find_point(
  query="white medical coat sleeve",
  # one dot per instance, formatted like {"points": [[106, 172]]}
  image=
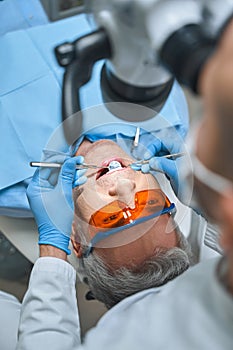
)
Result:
{"points": [[9, 320], [49, 315]]}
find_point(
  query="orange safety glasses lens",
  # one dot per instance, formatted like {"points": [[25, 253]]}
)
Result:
{"points": [[117, 213]]}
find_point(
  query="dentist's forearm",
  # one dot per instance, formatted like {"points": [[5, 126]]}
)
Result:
{"points": [[48, 250], [49, 313]]}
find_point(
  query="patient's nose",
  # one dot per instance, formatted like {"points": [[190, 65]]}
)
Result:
{"points": [[124, 189]]}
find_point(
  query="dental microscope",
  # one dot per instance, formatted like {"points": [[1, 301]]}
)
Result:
{"points": [[145, 45]]}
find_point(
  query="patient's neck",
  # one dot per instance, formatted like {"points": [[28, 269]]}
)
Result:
{"points": [[83, 148]]}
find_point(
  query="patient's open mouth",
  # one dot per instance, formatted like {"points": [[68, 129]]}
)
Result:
{"points": [[112, 165]]}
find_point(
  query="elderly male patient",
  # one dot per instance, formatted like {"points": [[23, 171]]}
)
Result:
{"points": [[124, 232]]}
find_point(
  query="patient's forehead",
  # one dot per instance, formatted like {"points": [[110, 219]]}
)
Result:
{"points": [[161, 231]]}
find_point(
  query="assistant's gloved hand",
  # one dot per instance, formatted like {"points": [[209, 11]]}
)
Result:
{"points": [[170, 167], [51, 201]]}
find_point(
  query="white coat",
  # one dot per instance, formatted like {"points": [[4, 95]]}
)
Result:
{"points": [[194, 311]]}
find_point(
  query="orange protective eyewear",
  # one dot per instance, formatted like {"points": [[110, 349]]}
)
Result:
{"points": [[117, 216], [117, 213]]}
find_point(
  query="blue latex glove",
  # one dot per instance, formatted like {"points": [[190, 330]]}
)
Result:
{"points": [[157, 163], [51, 201], [79, 176]]}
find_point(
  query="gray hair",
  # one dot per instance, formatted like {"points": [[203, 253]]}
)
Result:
{"points": [[110, 287]]}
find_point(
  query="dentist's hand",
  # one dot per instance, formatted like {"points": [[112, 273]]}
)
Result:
{"points": [[170, 167], [51, 201]]}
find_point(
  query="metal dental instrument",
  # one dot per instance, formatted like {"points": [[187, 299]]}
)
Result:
{"points": [[59, 165], [136, 139], [168, 156], [93, 166]]}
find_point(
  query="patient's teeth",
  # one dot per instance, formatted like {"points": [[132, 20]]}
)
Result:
{"points": [[114, 165]]}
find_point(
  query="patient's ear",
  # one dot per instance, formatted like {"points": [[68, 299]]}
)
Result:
{"points": [[75, 241]]}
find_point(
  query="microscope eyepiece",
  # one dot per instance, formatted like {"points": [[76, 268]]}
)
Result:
{"points": [[185, 53]]}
